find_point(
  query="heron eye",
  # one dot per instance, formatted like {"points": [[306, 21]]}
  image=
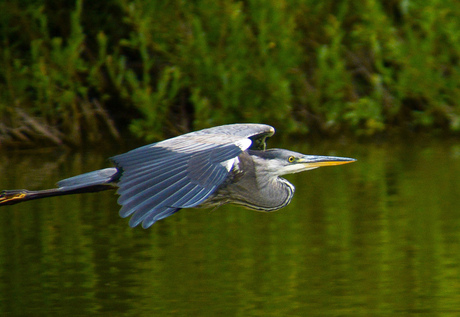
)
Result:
{"points": [[291, 159]]}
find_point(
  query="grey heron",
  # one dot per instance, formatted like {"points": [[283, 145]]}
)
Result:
{"points": [[206, 168]]}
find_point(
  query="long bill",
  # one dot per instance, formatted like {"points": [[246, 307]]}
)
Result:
{"points": [[314, 161]]}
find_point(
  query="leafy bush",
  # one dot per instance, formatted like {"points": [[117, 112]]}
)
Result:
{"points": [[79, 71]]}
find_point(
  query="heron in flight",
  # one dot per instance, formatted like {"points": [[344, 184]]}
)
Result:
{"points": [[206, 168]]}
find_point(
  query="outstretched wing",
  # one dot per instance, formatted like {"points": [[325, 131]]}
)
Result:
{"points": [[159, 179]]}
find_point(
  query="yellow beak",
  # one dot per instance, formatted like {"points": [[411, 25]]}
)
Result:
{"points": [[312, 161]]}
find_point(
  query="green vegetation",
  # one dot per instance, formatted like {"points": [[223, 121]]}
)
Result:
{"points": [[74, 71]]}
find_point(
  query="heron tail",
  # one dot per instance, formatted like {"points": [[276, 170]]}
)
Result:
{"points": [[91, 182]]}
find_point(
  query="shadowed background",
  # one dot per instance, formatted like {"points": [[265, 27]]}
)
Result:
{"points": [[78, 72]]}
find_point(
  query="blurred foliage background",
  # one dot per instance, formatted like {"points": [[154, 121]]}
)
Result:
{"points": [[75, 72]]}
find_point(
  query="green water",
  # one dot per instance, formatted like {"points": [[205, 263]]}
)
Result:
{"points": [[379, 237]]}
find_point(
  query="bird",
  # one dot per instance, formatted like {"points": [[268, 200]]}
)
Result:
{"points": [[228, 164]]}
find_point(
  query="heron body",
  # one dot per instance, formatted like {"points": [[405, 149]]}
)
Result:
{"points": [[206, 168], [245, 176]]}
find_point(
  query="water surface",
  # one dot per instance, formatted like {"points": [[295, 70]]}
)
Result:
{"points": [[380, 237]]}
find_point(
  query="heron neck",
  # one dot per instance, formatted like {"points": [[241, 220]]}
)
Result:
{"points": [[275, 194], [257, 189]]}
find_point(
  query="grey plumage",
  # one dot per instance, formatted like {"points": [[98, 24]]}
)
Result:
{"points": [[249, 175], [182, 172], [206, 168]]}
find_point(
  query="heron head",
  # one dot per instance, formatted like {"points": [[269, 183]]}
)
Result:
{"points": [[281, 162]]}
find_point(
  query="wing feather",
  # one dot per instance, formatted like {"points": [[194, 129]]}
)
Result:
{"points": [[144, 171], [144, 209], [153, 194], [151, 218], [133, 186], [159, 179]]}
